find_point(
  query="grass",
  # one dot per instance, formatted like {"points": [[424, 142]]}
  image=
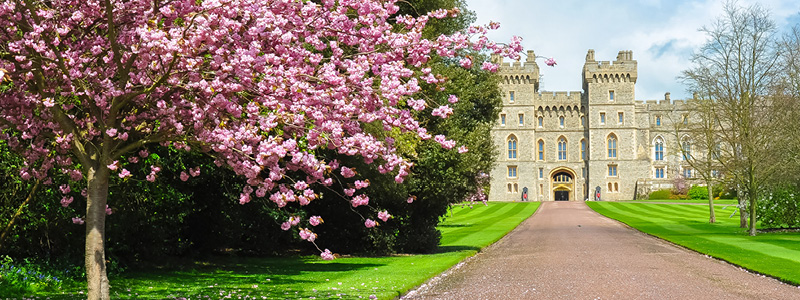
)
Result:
{"points": [[716, 202], [775, 254], [463, 234]]}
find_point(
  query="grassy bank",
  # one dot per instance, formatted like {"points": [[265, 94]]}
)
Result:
{"points": [[463, 234], [776, 254]]}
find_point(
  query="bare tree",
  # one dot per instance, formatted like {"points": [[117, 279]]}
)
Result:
{"points": [[697, 136], [736, 69]]}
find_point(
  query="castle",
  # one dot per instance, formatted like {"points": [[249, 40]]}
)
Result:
{"points": [[572, 145]]}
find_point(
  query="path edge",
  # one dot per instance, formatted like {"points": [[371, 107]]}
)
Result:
{"points": [[431, 281]]}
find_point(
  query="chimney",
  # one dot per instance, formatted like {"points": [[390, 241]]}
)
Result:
{"points": [[666, 96]]}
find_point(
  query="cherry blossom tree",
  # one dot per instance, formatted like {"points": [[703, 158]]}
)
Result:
{"points": [[260, 84]]}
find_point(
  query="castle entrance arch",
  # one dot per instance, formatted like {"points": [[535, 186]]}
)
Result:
{"points": [[562, 182]]}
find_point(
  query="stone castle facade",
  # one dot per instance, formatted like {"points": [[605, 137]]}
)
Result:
{"points": [[569, 145]]}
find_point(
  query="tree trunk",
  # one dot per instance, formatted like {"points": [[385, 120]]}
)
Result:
{"points": [[742, 208], [752, 216], [96, 276], [712, 217]]}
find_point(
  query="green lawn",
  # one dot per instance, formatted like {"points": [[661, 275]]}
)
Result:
{"points": [[775, 254], [463, 234], [716, 202]]}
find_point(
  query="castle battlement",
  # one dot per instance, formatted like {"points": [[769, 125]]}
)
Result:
{"points": [[559, 96]]}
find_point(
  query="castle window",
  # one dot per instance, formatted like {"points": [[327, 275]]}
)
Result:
{"points": [[610, 187], [521, 119], [612, 146], [602, 118], [561, 121], [512, 171], [616, 186], [685, 119], [541, 173], [660, 173], [687, 149], [612, 170], [583, 149], [512, 147], [583, 121], [511, 96], [516, 188], [715, 173], [502, 119], [621, 116], [541, 121], [610, 95], [562, 149], [659, 153], [541, 150], [583, 172], [509, 188], [658, 120], [687, 173]]}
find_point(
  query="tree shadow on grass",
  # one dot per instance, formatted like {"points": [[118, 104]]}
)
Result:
{"points": [[273, 277], [456, 248]]}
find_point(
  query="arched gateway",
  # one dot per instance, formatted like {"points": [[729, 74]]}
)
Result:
{"points": [[562, 184]]}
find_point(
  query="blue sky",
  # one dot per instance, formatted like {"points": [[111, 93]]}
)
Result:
{"points": [[661, 33]]}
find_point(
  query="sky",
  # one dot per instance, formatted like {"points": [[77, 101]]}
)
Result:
{"points": [[662, 34]]}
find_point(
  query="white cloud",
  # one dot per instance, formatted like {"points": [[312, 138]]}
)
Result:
{"points": [[662, 35]]}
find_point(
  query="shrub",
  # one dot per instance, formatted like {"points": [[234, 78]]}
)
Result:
{"points": [[698, 193], [660, 194], [780, 208]]}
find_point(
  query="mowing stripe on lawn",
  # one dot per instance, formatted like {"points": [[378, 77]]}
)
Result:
{"points": [[774, 254]]}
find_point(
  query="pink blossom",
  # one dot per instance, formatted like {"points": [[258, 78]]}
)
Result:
{"points": [[124, 173], [443, 111], [77, 220], [194, 171], [48, 102], [111, 132], [108, 210], [550, 62], [370, 223], [64, 188], [113, 166], [462, 149], [143, 153], [151, 177], [133, 159], [465, 63], [307, 235], [416, 104], [359, 200], [327, 255], [384, 215], [411, 199], [347, 172], [184, 176], [360, 184], [452, 99], [294, 220], [286, 226], [487, 66], [66, 200], [315, 220]]}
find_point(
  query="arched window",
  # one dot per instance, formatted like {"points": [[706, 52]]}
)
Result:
{"points": [[583, 121], [562, 148], [612, 146], [610, 187], [512, 147], [616, 186], [583, 149], [541, 121], [658, 120], [687, 149], [659, 152], [541, 150], [509, 188], [561, 121]]}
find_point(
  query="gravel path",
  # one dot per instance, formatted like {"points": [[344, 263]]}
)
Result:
{"points": [[567, 251]]}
